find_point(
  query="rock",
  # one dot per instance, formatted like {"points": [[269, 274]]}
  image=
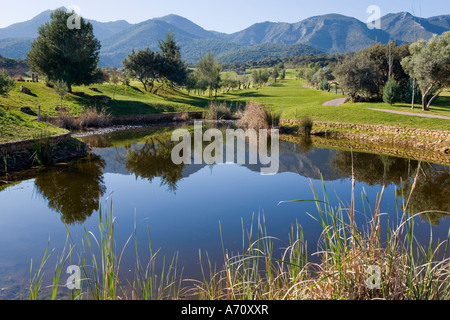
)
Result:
{"points": [[26, 110], [25, 90], [94, 89], [62, 109], [79, 94], [101, 98]]}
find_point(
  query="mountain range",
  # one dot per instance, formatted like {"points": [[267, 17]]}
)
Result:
{"points": [[331, 33]]}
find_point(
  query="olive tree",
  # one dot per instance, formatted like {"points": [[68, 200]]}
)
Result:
{"points": [[429, 63]]}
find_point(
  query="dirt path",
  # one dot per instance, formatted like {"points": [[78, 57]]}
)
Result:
{"points": [[413, 114], [335, 102]]}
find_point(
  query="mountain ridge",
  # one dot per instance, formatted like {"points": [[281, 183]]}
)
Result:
{"points": [[330, 33]]}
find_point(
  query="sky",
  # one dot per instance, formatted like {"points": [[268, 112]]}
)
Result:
{"points": [[225, 15]]}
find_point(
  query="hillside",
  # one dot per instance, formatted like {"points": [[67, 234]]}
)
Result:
{"points": [[331, 33]]}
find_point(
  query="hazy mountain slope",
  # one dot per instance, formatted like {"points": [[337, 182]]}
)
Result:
{"points": [[29, 29], [404, 27], [332, 33]]}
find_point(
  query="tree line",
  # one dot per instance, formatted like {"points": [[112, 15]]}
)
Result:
{"points": [[388, 72]]}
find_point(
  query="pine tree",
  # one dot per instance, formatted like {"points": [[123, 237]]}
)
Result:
{"points": [[62, 53]]}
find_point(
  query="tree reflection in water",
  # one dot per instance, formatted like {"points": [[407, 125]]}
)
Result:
{"points": [[153, 160], [429, 194], [73, 190]]}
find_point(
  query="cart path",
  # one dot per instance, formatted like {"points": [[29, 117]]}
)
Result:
{"points": [[335, 102], [413, 114]]}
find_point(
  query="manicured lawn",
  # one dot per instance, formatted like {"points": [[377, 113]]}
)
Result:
{"points": [[16, 125], [290, 97]]}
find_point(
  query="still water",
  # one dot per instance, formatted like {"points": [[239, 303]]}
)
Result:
{"points": [[188, 209]]}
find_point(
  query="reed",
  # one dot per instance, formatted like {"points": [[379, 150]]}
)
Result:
{"points": [[43, 148], [355, 261]]}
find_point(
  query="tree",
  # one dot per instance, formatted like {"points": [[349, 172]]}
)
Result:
{"points": [[191, 82], [61, 89], [355, 76], [429, 64], [275, 73], [391, 91], [60, 53], [145, 65], [210, 70], [114, 79], [173, 67], [323, 75], [6, 83]]}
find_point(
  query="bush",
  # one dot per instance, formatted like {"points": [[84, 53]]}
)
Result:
{"points": [[305, 126], [218, 111], [254, 116], [90, 117], [391, 91], [324, 85], [273, 117], [6, 83]]}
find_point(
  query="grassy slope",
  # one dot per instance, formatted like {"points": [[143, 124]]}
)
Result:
{"points": [[287, 95], [15, 125], [290, 96]]}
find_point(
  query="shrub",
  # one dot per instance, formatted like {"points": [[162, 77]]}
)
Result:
{"points": [[273, 117], [90, 117], [254, 116], [218, 111], [305, 126], [183, 116], [324, 85], [391, 91], [6, 83]]}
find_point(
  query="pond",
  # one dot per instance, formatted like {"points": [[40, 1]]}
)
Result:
{"points": [[188, 209]]}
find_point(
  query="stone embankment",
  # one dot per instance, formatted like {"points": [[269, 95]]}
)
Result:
{"points": [[21, 155], [430, 145]]}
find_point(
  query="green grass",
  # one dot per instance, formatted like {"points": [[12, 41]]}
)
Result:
{"points": [[132, 100], [290, 97], [15, 125], [287, 96]]}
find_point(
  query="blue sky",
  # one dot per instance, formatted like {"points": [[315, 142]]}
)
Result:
{"points": [[225, 15]]}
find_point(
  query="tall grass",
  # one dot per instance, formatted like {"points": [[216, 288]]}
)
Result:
{"points": [[256, 116], [305, 125], [343, 267], [218, 111], [43, 148], [90, 117], [99, 261]]}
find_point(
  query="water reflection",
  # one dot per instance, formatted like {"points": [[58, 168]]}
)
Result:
{"points": [[425, 186], [153, 160], [74, 190], [430, 193]]}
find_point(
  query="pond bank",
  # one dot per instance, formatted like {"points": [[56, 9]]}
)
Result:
{"points": [[22, 155], [429, 145]]}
